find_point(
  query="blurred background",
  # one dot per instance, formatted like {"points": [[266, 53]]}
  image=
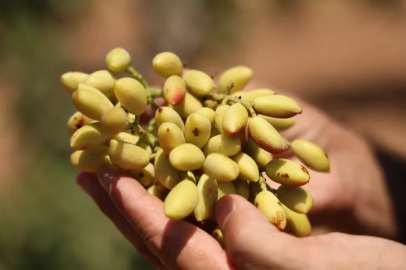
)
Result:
{"points": [[346, 56]]}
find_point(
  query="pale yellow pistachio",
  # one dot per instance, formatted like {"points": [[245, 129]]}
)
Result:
{"points": [[239, 76], [225, 188], [218, 235], [250, 96], [90, 101], [76, 121], [198, 82], [266, 136], [212, 104], [70, 80], [299, 224], [174, 90], [209, 113], [181, 200], [214, 132], [188, 105], [155, 191], [248, 168], [220, 167], [166, 114], [186, 157], [222, 144], [103, 81], [311, 155], [113, 121], [87, 137], [235, 119], [261, 156], [255, 189], [242, 188], [170, 136], [128, 156], [270, 206], [197, 129], [296, 198], [127, 137], [279, 124], [287, 172], [243, 136], [145, 176], [118, 60], [131, 95], [277, 106], [167, 64], [91, 160], [166, 174], [208, 191], [218, 120]]}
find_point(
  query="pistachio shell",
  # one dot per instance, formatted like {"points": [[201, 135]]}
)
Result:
{"points": [[113, 121], [242, 188], [88, 137], [76, 121], [209, 113], [218, 120], [165, 173], [287, 172], [212, 104], [276, 106], [225, 188], [268, 204], [239, 76], [223, 144], [118, 60], [215, 132], [266, 136], [235, 119], [208, 191], [170, 136], [188, 105], [197, 129], [127, 156], [174, 90], [167, 64], [131, 95], [154, 190], [248, 168], [311, 155], [220, 167], [198, 82], [103, 81], [166, 114], [145, 176], [296, 198], [218, 235], [260, 156], [90, 101], [126, 137], [186, 157], [250, 96], [70, 80], [181, 200], [91, 160], [279, 124], [299, 224]]}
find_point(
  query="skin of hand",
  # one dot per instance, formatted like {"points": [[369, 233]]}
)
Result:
{"points": [[252, 242]]}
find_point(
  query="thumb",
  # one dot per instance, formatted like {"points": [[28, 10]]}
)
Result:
{"points": [[252, 242]]}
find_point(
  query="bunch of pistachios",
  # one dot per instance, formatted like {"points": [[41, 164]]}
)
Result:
{"points": [[210, 140]]}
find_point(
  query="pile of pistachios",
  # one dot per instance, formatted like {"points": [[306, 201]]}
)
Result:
{"points": [[211, 139]]}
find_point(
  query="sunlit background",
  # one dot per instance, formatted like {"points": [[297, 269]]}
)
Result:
{"points": [[347, 57]]}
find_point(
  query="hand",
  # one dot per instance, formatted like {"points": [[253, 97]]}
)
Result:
{"points": [[252, 242], [353, 197]]}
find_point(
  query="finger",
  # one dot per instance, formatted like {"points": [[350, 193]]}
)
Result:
{"points": [[178, 244], [90, 184], [247, 231]]}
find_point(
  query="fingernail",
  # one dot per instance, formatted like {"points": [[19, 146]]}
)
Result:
{"points": [[224, 208], [108, 175]]}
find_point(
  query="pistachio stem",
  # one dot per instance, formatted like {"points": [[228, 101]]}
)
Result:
{"points": [[262, 183], [223, 99], [152, 156], [118, 105], [138, 76], [288, 143]]}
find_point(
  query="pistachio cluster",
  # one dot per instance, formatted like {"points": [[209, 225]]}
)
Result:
{"points": [[209, 141]]}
